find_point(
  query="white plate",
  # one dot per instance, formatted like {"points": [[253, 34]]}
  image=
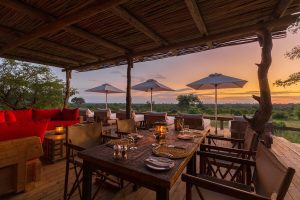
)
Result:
{"points": [[158, 168]]}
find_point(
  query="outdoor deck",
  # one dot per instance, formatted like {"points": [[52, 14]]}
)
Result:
{"points": [[51, 185]]}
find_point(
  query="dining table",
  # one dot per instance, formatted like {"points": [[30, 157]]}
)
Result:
{"points": [[133, 168]]}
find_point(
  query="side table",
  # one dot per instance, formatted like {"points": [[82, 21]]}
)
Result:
{"points": [[54, 148]]}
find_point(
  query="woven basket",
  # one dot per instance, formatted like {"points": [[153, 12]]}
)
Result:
{"points": [[170, 152]]}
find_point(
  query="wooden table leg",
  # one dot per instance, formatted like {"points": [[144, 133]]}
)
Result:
{"points": [[87, 182], [191, 167], [162, 194]]}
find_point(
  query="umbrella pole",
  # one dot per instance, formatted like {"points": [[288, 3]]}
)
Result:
{"points": [[151, 99], [106, 99], [216, 109]]}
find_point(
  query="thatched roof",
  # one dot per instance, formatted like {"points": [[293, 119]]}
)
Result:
{"points": [[92, 34]]}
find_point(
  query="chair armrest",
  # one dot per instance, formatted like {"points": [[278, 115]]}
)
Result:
{"points": [[220, 188], [227, 158], [224, 139], [231, 150]]}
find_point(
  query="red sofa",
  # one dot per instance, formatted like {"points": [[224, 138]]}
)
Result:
{"points": [[34, 122]]}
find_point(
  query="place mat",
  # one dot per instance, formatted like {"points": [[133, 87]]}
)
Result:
{"points": [[119, 142], [185, 136], [170, 152]]}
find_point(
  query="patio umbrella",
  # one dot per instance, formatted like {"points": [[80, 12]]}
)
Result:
{"points": [[151, 85], [107, 89], [217, 81]]}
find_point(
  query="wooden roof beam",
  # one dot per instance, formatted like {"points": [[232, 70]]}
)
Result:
{"points": [[281, 8], [96, 39], [230, 34], [6, 30], [33, 61], [34, 12], [48, 56], [52, 27], [124, 14], [198, 19]]}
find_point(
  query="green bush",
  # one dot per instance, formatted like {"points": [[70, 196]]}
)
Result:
{"points": [[279, 115], [279, 124]]}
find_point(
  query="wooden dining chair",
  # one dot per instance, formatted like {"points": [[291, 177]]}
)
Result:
{"points": [[226, 169], [125, 127], [245, 148], [79, 138], [267, 178]]}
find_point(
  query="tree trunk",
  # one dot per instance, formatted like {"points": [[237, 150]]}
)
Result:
{"points": [[263, 113], [128, 91], [67, 92]]}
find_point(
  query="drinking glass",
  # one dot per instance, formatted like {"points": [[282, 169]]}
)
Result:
{"points": [[186, 128]]}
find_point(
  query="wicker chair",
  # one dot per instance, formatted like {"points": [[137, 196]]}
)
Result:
{"points": [[79, 138], [104, 116], [195, 121], [267, 178], [125, 127]]}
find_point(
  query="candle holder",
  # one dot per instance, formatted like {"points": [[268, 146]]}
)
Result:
{"points": [[161, 129], [59, 130]]}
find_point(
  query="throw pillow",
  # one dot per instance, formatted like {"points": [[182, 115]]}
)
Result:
{"points": [[23, 115], [2, 117], [70, 114], [10, 116]]}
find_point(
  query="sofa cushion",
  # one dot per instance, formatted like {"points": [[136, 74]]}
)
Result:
{"points": [[2, 116], [70, 114], [23, 115], [14, 130], [10, 116], [52, 114]]}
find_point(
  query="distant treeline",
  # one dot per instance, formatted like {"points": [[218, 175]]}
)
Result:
{"points": [[280, 111]]}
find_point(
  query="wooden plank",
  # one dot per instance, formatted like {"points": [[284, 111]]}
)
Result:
{"points": [[230, 34], [132, 20], [96, 39], [281, 8], [34, 12], [16, 33], [198, 19], [59, 24]]}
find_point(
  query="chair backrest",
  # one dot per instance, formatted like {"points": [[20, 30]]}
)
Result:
{"points": [[121, 114], [102, 115], [271, 176], [195, 121], [84, 136], [126, 126], [153, 117], [249, 138]]}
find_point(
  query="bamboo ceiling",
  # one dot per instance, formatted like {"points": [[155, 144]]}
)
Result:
{"points": [[92, 34]]}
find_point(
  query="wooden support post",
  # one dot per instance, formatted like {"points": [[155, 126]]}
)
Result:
{"points": [[67, 89], [128, 91], [263, 113]]}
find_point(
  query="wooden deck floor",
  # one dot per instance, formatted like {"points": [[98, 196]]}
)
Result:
{"points": [[51, 185]]}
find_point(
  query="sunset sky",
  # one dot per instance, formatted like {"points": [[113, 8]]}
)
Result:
{"points": [[176, 72]]}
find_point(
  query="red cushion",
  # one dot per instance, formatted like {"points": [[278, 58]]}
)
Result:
{"points": [[70, 114], [14, 130], [39, 114], [23, 115], [2, 116], [10, 116], [53, 124]]}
